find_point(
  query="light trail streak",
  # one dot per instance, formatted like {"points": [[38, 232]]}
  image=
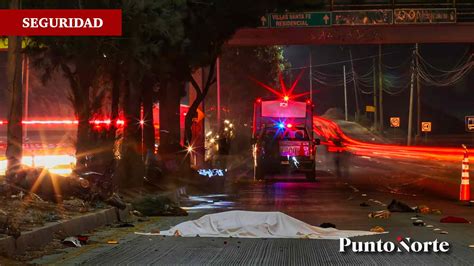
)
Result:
{"points": [[331, 131]]}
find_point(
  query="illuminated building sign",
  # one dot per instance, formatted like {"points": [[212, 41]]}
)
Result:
{"points": [[424, 16], [362, 17]]}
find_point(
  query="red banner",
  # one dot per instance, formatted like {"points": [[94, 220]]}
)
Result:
{"points": [[61, 22]]}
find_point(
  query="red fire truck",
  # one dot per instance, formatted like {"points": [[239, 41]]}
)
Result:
{"points": [[283, 137]]}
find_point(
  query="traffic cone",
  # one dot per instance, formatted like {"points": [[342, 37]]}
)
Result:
{"points": [[464, 192]]}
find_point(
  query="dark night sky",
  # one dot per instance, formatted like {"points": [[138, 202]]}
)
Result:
{"points": [[445, 106]]}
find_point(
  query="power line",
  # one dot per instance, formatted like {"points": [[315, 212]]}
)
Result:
{"points": [[340, 62]]}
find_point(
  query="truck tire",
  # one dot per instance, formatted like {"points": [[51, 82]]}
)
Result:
{"points": [[311, 176]]}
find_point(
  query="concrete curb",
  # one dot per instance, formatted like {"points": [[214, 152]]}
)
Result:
{"points": [[40, 237]]}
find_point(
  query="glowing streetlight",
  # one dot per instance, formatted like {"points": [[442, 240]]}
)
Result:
{"points": [[190, 148]]}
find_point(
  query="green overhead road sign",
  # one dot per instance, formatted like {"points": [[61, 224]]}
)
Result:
{"points": [[296, 20]]}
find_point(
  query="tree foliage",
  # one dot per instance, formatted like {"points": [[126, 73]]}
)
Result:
{"points": [[162, 44]]}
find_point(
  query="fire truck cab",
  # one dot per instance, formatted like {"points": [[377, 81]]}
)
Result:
{"points": [[283, 137]]}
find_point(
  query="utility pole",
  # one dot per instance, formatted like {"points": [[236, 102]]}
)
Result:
{"points": [[380, 90], [15, 109], [345, 92], [357, 111], [410, 110], [375, 96], [418, 95], [310, 74]]}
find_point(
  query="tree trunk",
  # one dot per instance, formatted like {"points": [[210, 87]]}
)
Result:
{"points": [[170, 95], [83, 138], [200, 96], [188, 121], [15, 107], [80, 83], [114, 110], [148, 126], [131, 166]]}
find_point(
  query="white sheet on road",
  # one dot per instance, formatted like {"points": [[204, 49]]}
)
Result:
{"points": [[249, 224]]}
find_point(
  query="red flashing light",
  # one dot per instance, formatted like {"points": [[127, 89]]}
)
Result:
{"points": [[259, 100], [289, 126], [286, 98], [50, 122], [107, 122], [308, 101]]}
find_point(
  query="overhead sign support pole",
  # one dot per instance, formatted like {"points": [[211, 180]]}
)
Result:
{"points": [[345, 92], [410, 110], [310, 74]]}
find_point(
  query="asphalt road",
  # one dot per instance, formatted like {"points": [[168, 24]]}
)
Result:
{"points": [[330, 199]]}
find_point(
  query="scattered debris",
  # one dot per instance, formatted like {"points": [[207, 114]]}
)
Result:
{"points": [[364, 204], [453, 219], [429, 226], [364, 195], [436, 229], [76, 204], [72, 241], [136, 213], [426, 210], [384, 214], [83, 239], [378, 202], [377, 229], [443, 232], [8, 226], [147, 234], [398, 206], [52, 217], [116, 201], [354, 189], [158, 206], [327, 225], [471, 246], [423, 209], [419, 223], [112, 242], [125, 225]]}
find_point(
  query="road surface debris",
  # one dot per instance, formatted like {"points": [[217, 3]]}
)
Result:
{"points": [[399, 206], [454, 220], [383, 214], [377, 229]]}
